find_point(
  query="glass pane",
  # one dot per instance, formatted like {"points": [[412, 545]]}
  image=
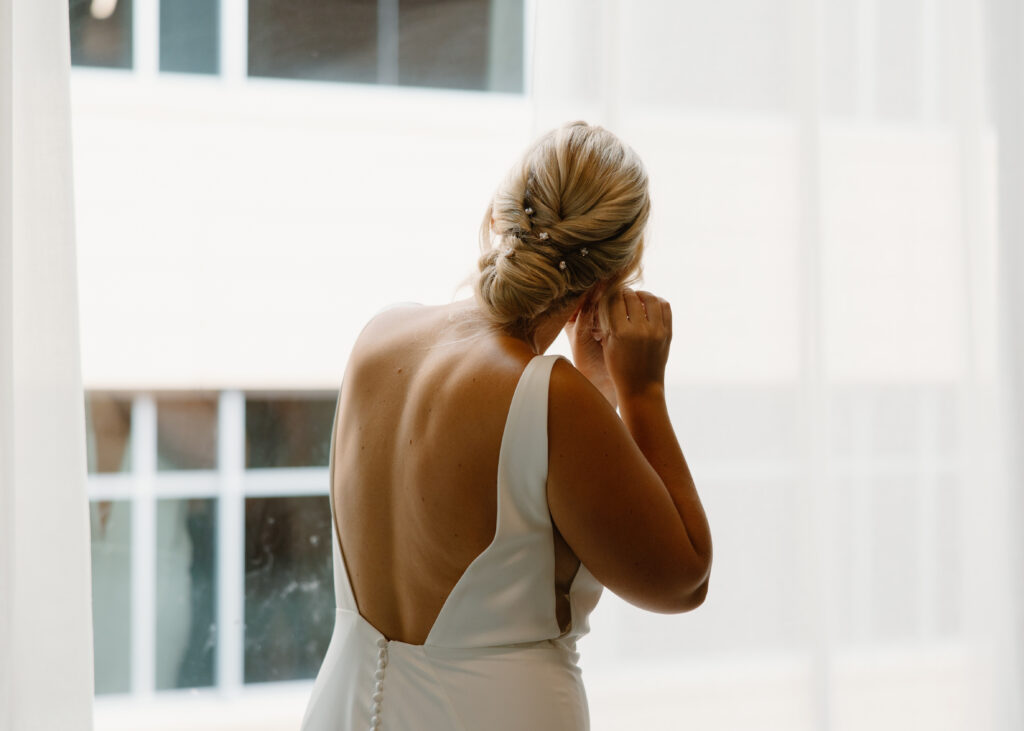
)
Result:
{"points": [[186, 433], [108, 422], [186, 595], [289, 587], [288, 432], [461, 44], [111, 528], [331, 40], [457, 44], [189, 36], [101, 33]]}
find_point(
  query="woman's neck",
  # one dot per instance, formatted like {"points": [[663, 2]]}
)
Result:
{"points": [[545, 328]]}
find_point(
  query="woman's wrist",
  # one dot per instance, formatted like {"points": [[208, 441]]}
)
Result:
{"points": [[643, 397]]}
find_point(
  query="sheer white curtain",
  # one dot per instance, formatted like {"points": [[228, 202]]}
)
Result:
{"points": [[46, 666], [836, 219]]}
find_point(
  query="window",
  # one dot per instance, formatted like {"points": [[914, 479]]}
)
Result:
{"points": [[111, 527], [101, 33], [211, 538], [289, 587], [473, 45], [288, 432], [457, 44], [190, 36], [186, 433], [186, 592]]}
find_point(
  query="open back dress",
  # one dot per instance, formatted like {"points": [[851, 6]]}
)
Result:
{"points": [[495, 658]]}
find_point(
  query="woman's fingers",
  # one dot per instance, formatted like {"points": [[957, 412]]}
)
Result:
{"points": [[651, 305], [634, 308]]}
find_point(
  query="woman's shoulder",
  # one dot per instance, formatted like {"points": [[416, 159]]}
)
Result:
{"points": [[395, 306], [388, 316]]}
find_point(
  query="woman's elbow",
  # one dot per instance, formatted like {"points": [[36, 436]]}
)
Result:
{"points": [[693, 594], [697, 596]]}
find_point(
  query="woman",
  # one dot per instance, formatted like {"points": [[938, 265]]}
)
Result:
{"points": [[485, 493]]}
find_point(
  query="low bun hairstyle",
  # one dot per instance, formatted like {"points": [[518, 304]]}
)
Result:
{"points": [[571, 213]]}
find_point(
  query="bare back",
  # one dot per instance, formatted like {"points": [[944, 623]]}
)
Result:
{"points": [[420, 420]]}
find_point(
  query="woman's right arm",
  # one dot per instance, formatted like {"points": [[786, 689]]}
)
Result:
{"points": [[619, 490]]}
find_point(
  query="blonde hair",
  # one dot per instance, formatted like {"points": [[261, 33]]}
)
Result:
{"points": [[578, 196]]}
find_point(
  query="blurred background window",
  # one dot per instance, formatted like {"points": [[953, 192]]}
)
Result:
{"points": [[456, 44], [190, 36], [186, 433], [101, 33], [288, 432], [111, 529], [289, 587], [186, 583], [108, 436]]}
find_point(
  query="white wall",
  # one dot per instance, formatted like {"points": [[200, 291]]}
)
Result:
{"points": [[239, 236]]}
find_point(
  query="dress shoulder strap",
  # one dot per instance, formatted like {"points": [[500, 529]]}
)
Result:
{"points": [[523, 459]]}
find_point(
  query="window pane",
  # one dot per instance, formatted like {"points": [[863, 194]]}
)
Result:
{"points": [[186, 433], [189, 36], [186, 597], [108, 421], [461, 44], [331, 40], [289, 587], [101, 33], [111, 528], [457, 44], [288, 432]]}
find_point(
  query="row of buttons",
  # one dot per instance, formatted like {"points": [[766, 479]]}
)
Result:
{"points": [[378, 687]]}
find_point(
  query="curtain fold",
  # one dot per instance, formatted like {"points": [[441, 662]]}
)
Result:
{"points": [[46, 662], [1005, 31]]}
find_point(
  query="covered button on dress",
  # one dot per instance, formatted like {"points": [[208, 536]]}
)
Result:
{"points": [[495, 658]]}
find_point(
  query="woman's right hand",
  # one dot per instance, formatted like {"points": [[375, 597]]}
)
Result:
{"points": [[637, 342]]}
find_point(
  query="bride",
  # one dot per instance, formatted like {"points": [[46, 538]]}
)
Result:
{"points": [[483, 493]]}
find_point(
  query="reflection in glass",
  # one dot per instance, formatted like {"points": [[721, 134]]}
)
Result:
{"points": [[189, 36], [101, 33], [186, 601], [454, 44], [330, 40], [289, 587], [460, 44], [186, 432], [288, 432], [108, 421], [111, 528]]}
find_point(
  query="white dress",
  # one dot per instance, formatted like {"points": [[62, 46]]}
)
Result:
{"points": [[494, 660]]}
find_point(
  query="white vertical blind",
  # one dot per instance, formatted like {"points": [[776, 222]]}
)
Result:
{"points": [[46, 671]]}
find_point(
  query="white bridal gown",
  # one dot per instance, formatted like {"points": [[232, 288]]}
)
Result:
{"points": [[494, 660]]}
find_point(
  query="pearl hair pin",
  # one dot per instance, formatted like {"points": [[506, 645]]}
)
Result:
{"points": [[562, 265], [543, 236], [528, 211]]}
